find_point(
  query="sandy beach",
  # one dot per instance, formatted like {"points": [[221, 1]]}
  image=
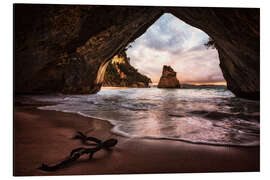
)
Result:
{"points": [[46, 136]]}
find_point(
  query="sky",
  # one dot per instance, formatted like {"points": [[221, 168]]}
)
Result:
{"points": [[170, 41]]}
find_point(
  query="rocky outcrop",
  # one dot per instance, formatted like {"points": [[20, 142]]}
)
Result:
{"points": [[66, 48], [120, 73], [236, 32], [168, 78]]}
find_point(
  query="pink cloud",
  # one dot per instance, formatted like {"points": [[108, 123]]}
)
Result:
{"points": [[170, 41]]}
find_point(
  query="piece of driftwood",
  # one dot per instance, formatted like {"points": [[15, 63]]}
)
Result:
{"points": [[78, 152]]}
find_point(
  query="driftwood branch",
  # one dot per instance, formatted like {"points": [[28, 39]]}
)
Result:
{"points": [[78, 152]]}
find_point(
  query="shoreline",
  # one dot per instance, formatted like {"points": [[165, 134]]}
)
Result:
{"points": [[46, 136], [115, 127]]}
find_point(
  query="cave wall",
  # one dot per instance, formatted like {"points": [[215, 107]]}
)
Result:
{"points": [[236, 32], [61, 48]]}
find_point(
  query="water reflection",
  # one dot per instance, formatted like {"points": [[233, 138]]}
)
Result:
{"points": [[212, 116]]}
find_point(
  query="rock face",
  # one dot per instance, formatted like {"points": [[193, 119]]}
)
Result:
{"points": [[120, 73], [66, 48], [168, 78]]}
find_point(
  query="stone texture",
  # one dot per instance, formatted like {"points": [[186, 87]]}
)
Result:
{"points": [[120, 73], [168, 78], [236, 32], [65, 48]]}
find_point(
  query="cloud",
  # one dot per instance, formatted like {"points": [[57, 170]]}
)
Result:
{"points": [[199, 47], [172, 42], [164, 36]]}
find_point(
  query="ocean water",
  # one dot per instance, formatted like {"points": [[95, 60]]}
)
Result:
{"points": [[206, 115]]}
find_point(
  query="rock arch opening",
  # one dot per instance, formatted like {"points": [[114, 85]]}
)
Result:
{"points": [[67, 54], [170, 41]]}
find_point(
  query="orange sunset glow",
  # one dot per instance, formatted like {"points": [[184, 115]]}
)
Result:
{"points": [[170, 41]]}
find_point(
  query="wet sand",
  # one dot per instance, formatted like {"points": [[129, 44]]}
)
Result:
{"points": [[46, 136]]}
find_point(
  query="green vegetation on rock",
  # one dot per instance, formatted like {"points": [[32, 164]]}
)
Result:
{"points": [[120, 73]]}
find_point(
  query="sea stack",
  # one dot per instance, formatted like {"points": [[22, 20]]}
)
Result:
{"points": [[168, 78]]}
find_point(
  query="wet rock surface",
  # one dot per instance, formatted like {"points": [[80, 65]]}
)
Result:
{"points": [[64, 48], [168, 78]]}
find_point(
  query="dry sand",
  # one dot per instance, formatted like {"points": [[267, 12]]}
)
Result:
{"points": [[46, 136]]}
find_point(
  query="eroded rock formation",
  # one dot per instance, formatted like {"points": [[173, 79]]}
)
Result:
{"points": [[168, 78], [65, 48], [120, 73]]}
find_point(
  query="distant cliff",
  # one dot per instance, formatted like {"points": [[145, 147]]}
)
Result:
{"points": [[168, 78], [120, 73]]}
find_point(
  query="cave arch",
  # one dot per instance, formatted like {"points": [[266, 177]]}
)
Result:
{"points": [[170, 41], [60, 48]]}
